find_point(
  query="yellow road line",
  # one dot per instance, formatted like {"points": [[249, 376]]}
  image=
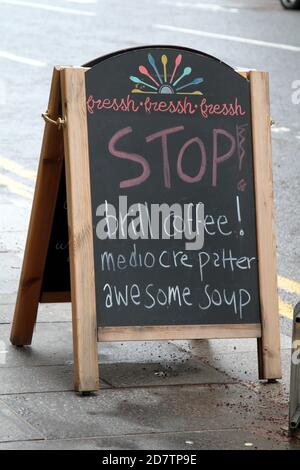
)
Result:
{"points": [[16, 168], [285, 309], [15, 187], [289, 285], [292, 287]]}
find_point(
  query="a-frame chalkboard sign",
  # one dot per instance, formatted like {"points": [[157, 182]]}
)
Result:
{"points": [[146, 151]]}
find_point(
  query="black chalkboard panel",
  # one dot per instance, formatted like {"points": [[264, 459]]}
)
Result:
{"points": [[57, 269], [172, 126], [167, 126]]}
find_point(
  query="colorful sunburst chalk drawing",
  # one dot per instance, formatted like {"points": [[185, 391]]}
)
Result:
{"points": [[164, 83]]}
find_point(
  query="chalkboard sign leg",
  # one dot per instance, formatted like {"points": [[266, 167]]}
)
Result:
{"points": [[39, 231], [80, 230], [86, 394], [269, 343], [272, 381]]}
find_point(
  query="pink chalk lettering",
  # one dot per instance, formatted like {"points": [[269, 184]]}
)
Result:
{"points": [[90, 104], [202, 169], [172, 106], [163, 135], [241, 134], [217, 160], [129, 156], [225, 109]]}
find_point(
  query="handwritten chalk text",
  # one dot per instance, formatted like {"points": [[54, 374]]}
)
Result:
{"points": [[200, 108]]}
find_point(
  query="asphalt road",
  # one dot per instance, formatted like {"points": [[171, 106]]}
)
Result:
{"points": [[37, 35]]}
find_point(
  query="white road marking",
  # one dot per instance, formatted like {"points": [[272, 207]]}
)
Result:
{"points": [[21, 60], [285, 309], [280, 129], [86, 2], [45, 6], [226, 37], [16, 187], [199, 6], [14, 167]]}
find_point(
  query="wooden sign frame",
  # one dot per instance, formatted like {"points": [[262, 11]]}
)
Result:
{"points": [[68, 140]]}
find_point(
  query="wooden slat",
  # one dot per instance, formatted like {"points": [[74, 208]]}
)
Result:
{"points": [[244, 74], [80, 230], [41, 219], [269, 344], [55, 297], [152, 333]]}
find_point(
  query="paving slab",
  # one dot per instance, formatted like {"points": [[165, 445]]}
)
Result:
{"points": [[142, 352], [52, 345], [243, 368], [204, 347], [147, 410], [10, 263], [7, 298], [12, 241], [37, 379], [47, 313], [13, 427], [187, 371], [16, 216], [234, 439]]}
